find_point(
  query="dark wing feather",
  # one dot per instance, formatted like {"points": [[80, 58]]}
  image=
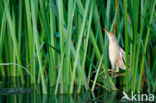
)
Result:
{"points": [[122, 54], [124, 60]]}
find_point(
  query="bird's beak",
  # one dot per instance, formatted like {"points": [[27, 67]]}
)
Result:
{"points": [[107, 32]]}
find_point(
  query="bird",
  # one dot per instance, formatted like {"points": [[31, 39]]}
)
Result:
{"points": [[116, 53]]}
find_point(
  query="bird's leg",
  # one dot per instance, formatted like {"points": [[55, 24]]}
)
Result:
{"points": [[111, 71], [116, 70]]}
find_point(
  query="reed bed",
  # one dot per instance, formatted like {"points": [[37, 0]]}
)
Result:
{"points": [[61, 43]]}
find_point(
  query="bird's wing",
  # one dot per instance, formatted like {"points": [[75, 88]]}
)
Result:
{"points": [[124, 60], [122, 55]]}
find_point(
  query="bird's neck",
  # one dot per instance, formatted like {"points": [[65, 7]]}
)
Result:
{"points": [[113, 42]]}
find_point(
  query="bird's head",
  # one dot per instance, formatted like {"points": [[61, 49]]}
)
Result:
{"points": [[110, 35]]}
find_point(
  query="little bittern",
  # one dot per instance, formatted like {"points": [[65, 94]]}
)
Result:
{"points": [[116, 53]]}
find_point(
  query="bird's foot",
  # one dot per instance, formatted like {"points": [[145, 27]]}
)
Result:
{"points": [[115, 71], [110, 71]]}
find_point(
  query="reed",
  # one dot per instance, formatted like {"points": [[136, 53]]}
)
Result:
{"points": [[62, 44]]}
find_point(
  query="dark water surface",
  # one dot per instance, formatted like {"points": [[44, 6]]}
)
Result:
{"points": [[33, 97], [12, 91]]}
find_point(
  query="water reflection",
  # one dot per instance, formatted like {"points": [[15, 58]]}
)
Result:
{"points": [[18, 93], [33, 97]]}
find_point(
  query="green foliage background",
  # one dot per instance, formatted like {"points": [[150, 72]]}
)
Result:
{"points": [[61, 42]]}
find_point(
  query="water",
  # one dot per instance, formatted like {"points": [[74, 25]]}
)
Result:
{"points": [[51, 98], [12, 91]]}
